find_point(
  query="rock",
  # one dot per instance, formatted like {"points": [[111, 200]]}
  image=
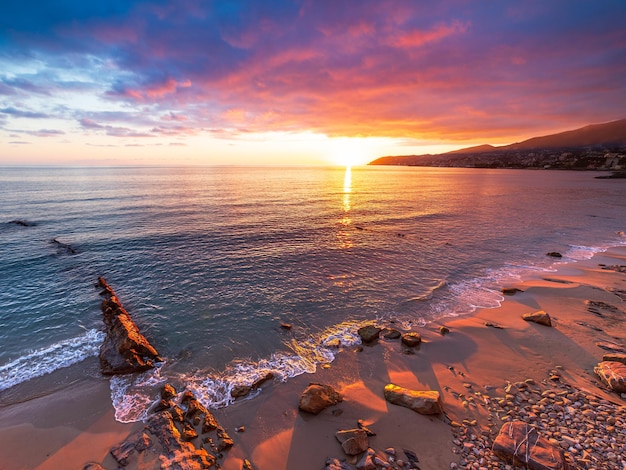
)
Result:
{"points": [[615, 357], [520, 444], [63, 246], [353, 441], [613, 374], [411, 339], [390, 333], [361, 424], [285, 326], [168, 392], [316, 397], [93, 466], [240, 391], [554, 254], [368, 461], [369, 333], [162, 405], [493, 325], [22, 223], [246, 465], [336, 464], [426, 402], [224, 440], [411, 456], [188, 433], [124, 350], [613, 347], [444, 330], [210, 423], [511, 290], [540, 317]]}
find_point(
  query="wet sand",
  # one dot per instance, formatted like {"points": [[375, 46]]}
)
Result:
{"points": [[76, 425]]}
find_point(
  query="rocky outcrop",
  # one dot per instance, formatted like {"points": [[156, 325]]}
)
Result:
{"points": [[554, 254], [540, 317], [125, 350], [614, 357], [425, 402], [317, 397], [520, 444], [613, 374], [171, 438]]}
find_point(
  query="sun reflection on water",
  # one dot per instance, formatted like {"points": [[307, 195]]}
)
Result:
{"points": [[345, 235]]}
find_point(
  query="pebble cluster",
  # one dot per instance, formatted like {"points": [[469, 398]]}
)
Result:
{"points": [[590, 430]]}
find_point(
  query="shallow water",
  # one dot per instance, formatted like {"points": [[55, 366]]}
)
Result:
{"points": [[209, 261]]}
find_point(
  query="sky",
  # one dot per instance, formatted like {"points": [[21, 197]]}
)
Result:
{"points": [[201, 82]]}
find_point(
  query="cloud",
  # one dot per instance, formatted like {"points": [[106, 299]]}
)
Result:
{"points": [[23, 113]]}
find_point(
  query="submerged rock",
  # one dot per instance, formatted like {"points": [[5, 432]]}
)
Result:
{"points": [[124, 350], [317, 397], [613, 374], [426, 402], [540, 317], [520, 444]]}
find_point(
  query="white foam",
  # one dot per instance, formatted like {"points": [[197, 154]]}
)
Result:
{"points": [[133, 394], [579, 252], [46, 360]]}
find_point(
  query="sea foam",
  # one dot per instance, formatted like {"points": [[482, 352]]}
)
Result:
{"points": [[46, 360]]}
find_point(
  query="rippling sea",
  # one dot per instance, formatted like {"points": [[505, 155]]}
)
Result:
{"points": [[209, 261]]}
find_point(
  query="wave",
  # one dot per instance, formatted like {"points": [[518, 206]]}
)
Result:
{"points": [[46, 360]]}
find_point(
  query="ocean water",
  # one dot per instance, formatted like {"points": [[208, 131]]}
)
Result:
{"points": [[209, 261]]}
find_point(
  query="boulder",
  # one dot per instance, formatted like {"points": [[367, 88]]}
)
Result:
{"points": [[554, 254], [540, 317], [168, 392], [369, 333], [519, 443], [317, 397], [613, 374], [353, 441], [390, 333], [411, 339], [124, 350], [426, 402]]}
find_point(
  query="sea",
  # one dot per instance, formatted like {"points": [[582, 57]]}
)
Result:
{"points": [[210, 261]]}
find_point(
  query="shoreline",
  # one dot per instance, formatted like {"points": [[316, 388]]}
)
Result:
{"points": [[76, 425]]}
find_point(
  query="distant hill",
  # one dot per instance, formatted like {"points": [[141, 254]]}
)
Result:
{"points": [[610, 134]]}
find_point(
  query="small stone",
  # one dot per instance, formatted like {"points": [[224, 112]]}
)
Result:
{"points": [[444, 330]]}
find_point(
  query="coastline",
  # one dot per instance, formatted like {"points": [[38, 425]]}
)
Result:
{"points": [[76, 425]]}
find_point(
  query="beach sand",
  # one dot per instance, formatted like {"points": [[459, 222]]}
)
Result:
{"points": [[471, 367]]}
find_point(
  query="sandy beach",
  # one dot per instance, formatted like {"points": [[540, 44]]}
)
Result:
{"points": [[471, 366]]}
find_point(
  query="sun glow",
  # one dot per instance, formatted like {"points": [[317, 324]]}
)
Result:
{"points": [[350, 151]]}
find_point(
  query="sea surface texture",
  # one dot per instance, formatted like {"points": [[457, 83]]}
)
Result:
{"points": [[210, 261]]}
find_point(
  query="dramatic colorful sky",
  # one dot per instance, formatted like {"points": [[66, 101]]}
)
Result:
{"points": [[278, 81]]}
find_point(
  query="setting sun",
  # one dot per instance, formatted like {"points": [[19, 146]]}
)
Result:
{"points": [[350, 151]]}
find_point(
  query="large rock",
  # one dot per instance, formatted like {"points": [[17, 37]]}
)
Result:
{"points": [[613, 374], [614, 357], [317, 397], [125, 350], [540, 317], [369, 333], [520, 444], [411, 339], [353, 441], [426, 402]]}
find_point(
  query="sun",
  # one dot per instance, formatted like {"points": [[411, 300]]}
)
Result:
{"points": [[349, 151]]}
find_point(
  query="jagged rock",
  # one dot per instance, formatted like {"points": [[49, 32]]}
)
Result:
{"points": [[369, 333], [194, 408], [316, 397], [540, 317], [188, 433], [520, 444], [224, 440], [613, 374], [368, 461], [353, 441], [168, 392], [135, 442], [426, 402], [615, 357], [246, 465], [125, 350], [554, 254], [336, 464], [210, 423], [162, 405], [411, 339], [178, 414]]}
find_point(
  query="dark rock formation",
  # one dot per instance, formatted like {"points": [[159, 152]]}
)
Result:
{"points": [[425, 402], [613, 374], [540, 317], [390, 333], [243, 390], [614, 357], [511, 290], [554, 254], [444, 330], [520, 444], [63, 246], [411, 339], [125, 350], [369, 333], [317, 397], [22, 223]]}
